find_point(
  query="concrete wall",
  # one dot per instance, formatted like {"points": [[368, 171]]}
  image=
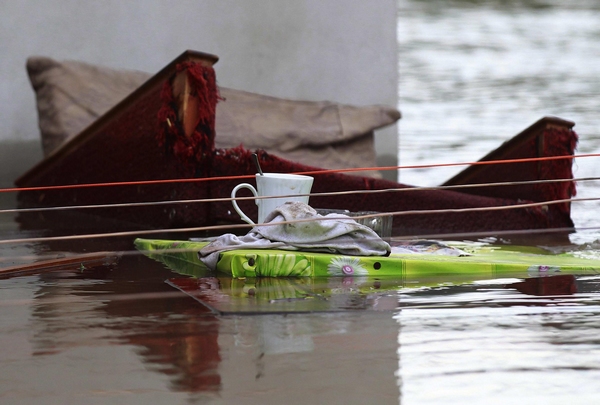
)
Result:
{"points": [[338, 50]]}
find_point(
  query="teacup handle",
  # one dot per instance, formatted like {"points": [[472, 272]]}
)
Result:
{"points": [[234, 202]]}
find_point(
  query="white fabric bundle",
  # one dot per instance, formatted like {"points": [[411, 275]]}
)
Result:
{"points": [[333, 233]]}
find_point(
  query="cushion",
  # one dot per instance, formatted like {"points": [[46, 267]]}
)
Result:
{"points": [[71, 95]]}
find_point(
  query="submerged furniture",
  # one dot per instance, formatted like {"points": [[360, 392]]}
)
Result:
{"points": [[165, 130]]}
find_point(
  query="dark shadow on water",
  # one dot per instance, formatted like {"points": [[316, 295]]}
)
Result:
{"points": [[546, 286]]}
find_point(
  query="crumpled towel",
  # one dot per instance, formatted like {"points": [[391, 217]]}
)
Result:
{"points": [[336, 233]]}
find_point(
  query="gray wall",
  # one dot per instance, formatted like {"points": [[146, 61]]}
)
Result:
{"points": [[338, 50]]}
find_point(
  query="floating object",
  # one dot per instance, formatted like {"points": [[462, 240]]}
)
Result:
{"points": [[482, 261], [279, 187]]}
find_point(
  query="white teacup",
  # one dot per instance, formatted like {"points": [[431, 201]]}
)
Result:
{"points": [[292, 186]]}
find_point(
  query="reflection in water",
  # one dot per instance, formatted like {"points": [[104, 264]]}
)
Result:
{"points": [[172, 334], [449, 334], [543, 286], [80, 317], [265, 295], [342, 342], [186, 350], [208, 355]]}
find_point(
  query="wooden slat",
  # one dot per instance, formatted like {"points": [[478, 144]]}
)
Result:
{"points": [[66, 263]]}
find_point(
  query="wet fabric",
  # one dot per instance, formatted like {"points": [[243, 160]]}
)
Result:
{"points": [[309, 231]]}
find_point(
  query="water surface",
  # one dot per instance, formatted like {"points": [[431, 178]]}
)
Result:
{"points": [[473, 74]]}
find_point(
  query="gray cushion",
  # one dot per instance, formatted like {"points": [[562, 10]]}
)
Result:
{"points": [[71, 95]]}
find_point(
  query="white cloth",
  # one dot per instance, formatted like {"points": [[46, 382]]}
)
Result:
{"points": [[333, 233]]}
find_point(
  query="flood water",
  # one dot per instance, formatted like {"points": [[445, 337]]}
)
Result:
{"points": [[475, 73], [124, 330]]}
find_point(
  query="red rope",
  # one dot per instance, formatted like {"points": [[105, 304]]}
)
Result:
{"points": [[314, 172]]}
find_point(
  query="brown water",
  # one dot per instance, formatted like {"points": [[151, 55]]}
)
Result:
{"points": [[124, 332], [121, 334], [473, 74]]}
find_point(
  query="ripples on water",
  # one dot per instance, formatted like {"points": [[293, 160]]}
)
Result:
{"points": [[520, 355], [475, 73]]}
